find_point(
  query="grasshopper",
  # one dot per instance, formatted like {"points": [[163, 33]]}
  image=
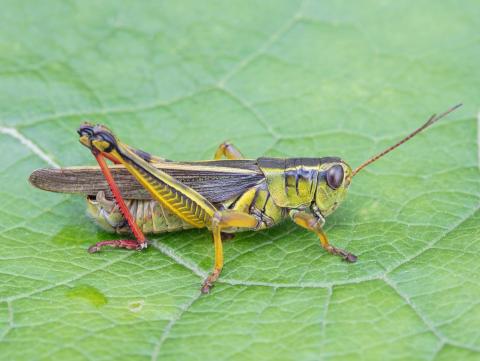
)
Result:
{"points": [[141, 193]]}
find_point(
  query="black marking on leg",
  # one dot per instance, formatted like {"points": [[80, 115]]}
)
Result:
{"points": [[227, 236]]}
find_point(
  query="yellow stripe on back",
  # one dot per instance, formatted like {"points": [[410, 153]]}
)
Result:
{"points": [[185, 202]]}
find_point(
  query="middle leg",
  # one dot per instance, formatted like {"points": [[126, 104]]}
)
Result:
{"points": [[222, 220], [228, 151]]}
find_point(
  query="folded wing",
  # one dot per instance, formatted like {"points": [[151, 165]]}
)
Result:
{"points": [[217, 181]]}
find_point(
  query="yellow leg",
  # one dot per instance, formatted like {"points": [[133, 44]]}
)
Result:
{"points": [[314, 224], [228, 151], [222, 220]]}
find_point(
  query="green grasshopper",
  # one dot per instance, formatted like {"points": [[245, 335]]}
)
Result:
{"points": [[142, 193]]}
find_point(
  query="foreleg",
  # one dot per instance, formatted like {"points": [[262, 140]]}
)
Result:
{"points": [[314, 224]]}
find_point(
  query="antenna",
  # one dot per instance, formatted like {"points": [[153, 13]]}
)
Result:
{"points": [[434, 118]]}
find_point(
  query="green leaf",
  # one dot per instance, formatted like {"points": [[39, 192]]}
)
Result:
{"points": [[279, 78]]}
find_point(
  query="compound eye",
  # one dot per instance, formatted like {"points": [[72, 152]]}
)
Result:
{"points": [[335, 176]]}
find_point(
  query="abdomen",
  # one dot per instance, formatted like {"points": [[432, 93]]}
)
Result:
{"points": [[150, 216]]}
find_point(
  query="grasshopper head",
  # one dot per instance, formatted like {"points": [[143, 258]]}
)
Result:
{"points": [[97, 137], [332, 186]]}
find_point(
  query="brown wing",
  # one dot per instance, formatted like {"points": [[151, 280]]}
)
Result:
{"points": [[215, 180]]}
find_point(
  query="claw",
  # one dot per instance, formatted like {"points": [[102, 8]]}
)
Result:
{"points": [[206, 287], [93, 249], [350, 258], [209, 282]]}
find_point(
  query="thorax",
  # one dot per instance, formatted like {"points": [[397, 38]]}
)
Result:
{"points": [[292, 181]]}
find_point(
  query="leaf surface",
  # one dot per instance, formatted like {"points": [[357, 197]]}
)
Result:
{"points": [[281, 78]]}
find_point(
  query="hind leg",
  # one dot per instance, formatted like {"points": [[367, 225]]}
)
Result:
{"points": [[140, 242]]}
